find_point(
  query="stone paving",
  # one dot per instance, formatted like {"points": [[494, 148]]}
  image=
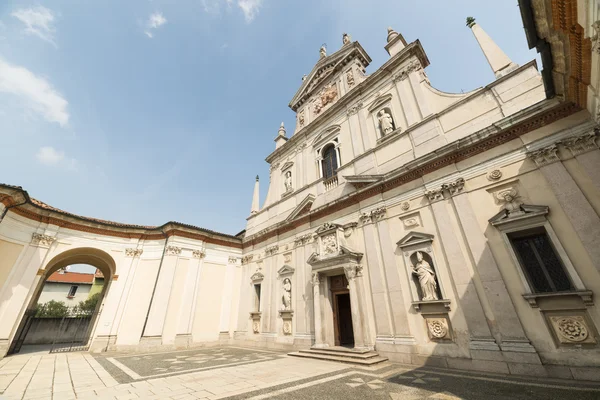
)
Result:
{"points": [[237, 373]]}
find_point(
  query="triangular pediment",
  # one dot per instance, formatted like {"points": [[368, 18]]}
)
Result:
{"points": [[302, 208], [287, 165], [257, 277], [524, 211], [415, 238], [286, 270], [326, 68]]}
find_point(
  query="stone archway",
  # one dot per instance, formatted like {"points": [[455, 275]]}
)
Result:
{"points": [[83, 255]]}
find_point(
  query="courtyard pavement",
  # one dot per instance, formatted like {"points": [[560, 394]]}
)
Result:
{"points": [[240, 373]]}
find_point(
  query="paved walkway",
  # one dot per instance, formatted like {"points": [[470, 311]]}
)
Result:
{"points": [[237, 373]]}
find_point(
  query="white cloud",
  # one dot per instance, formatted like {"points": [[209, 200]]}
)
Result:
{"points": [[49, 156], [37, 93], [155, 21], [249, 8], [39, 21]]}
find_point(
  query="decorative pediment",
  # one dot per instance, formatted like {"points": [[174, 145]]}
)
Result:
{"points": [[344, 256], [287, 165], [523, 211], [413, 238], [379, 101], [257, 277], [302, 208], [286, 270], [326, 68], [326, 136]]}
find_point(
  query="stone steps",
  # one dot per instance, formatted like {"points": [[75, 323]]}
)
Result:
{"points": [[357, 357]]}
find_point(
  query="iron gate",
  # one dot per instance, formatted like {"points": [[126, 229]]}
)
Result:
{"points": [[26, 322], [73, 331]]}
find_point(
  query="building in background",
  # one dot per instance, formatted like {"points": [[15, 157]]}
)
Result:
{"points": [[67, 287], [451, 229]]}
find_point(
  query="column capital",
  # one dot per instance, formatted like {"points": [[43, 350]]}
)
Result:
{"points": [[133, 252], [315, 279], [38, 239], [544, 156], [353, 271], [446, 190], [172, 251], [581, 144], [199, 253]]}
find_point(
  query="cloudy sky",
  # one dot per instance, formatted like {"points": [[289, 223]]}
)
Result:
{"points": [[148, 111]]}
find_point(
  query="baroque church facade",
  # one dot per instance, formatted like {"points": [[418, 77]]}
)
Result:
{"points": [[455, 230]]}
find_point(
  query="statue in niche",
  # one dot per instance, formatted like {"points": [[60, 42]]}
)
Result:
{"points": [[426, 276], [386, 123], [286, 299], [350, 77], [288, 181]]}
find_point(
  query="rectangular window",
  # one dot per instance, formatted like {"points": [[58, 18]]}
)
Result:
{"points": [[543, 268], [72, 292], [257, 298]]}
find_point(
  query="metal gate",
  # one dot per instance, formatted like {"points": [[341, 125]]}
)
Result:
{"points": [[17, 343], [73, 332]]}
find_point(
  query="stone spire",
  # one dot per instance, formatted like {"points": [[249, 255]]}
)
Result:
{"points": [[281, 138], [500, 63], [255, 198]]}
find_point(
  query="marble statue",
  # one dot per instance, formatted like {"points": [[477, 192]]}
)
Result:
{"points": [[346, 38], [288, 181], [287, 294], [426, 276], [323, 51], [385, 122]]}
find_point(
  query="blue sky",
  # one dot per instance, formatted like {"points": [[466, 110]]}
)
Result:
{"points": [[148, 111]]}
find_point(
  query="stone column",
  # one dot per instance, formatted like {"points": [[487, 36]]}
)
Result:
{"points": [[582, 216], [319, 332], [479, 331], [504, 320], [585, 150], [353, 273]]}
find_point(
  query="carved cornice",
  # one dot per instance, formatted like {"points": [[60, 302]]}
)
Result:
{"points": [[37, 239], [545, 156], [133, 252], [172, 251], [198, 253]]}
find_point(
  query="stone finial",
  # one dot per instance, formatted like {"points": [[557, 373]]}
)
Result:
{"points": [[323, 51], [498, 60], [303, 77], [255, 196], [470, 22], [391, 34], [281, 131]]}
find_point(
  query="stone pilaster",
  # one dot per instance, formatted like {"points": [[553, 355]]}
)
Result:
{"points": [[584, 149], [319, 329], [354, 274], [504, 320], [582, 216], [480, 335]]}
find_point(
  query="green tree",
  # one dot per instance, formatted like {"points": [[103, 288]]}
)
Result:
{"points": [[89, 304], [52, 309]]}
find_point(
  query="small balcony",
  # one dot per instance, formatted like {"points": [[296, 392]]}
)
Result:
{"points": [[330, 183]]}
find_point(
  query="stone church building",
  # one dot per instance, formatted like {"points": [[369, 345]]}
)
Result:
{"points": [[451, 229]]}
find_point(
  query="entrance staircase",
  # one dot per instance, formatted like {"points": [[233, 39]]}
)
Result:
{"points": [[342, 354]]}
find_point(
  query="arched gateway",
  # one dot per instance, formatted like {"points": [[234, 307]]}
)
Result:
{"points": [[164, 287]]}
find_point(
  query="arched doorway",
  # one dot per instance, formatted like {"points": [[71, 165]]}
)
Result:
{"points": [[66, 327]]}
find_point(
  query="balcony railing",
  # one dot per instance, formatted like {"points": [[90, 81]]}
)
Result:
{"points": [[330, 183]]}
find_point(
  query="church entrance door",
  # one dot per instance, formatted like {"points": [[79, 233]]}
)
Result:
{"points": [[342, 314]]}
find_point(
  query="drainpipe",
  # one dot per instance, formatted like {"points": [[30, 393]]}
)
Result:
{"points": [[155, 284]]}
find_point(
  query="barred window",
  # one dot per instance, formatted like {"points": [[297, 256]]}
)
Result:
{"points": [[330, 162], [543, 268]]}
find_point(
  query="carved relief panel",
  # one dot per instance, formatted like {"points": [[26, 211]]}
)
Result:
{"points": [[571, 328]]}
